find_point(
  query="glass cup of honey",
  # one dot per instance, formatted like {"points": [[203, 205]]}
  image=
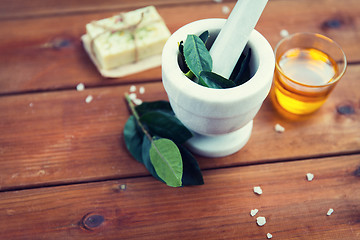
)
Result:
{"points": [[308, 67]]}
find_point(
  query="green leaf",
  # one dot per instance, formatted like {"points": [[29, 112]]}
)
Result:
{"points": [[204, 36], [161, 106], [166, 126], [191, 170], [197, 57], [241, 72], [166, 159], [213, 80], [145, 149], [133, 138]]}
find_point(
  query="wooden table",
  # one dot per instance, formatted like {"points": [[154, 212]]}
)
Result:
{"points": [[65, 172]]}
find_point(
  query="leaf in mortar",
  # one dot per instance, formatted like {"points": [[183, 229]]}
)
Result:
{"points": [[182, 64], [191, 170], [204, 36], [133, 138], [213, 80], [244, 72], [145, 149], [166, 126], [166, 159], [197, 57], [161, 106]]}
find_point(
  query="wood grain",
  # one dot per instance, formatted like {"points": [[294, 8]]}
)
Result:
{"points": [[56, 138], [45, 53], [142, 208]]}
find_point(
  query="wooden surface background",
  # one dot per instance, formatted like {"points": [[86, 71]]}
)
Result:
{"points": [[65, 172]]}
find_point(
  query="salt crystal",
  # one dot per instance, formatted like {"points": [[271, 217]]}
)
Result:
{"points": [[253, 212], [132, 96], [142, 90], [269, 235], [258, 190], [330, 212], [284, 33], [80, 87], [122, 186], [310, 176], [218, 1], [261, 221], [137, 101], [225, 9], [279, 128], [31, 104], [89, 99], [132, 88]]}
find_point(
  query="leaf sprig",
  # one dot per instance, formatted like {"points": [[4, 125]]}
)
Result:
{"points": [[197, 64], [155, 137]]}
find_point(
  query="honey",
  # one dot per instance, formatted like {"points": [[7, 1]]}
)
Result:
{"points": [[304, 79]]}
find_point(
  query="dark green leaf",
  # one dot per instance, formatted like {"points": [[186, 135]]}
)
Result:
{"points": [[166, 126], [162, 106], [213, 80], [197, 57], [191, 170], [167, 162], [243, 73], [204, 36], [146, 157], [133, 138]]}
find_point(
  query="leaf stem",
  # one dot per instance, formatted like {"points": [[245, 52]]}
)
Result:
{"points": [[136, 115]]}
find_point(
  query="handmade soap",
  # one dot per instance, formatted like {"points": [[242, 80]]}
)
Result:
{"points": [[127, 37]]}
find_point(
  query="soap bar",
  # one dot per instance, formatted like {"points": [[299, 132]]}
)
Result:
{"points": [[127, 37]]}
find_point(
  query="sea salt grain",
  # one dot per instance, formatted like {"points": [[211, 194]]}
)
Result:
{"points": [[258, 190], [137, 101], [225, 9], [218, 1], [80, 87], [132, 88], [310, 176], [269, 235], [284, 33], [89, 99], [253, 212], [132, 96], [261, 221], [279, 128], [141, 90], [330, 212]]}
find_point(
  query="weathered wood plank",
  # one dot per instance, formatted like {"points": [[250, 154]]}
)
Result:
{"points": [[142, 208], [47, 138], [46, 52], [24, 9]]}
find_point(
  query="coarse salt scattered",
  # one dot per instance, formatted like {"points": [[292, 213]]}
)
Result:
{"points": [[284, 33], [330, 212], [141, 90], [133, 88], [253, 212], [258, 190], [269, 235], [261, 221], [310, 176], [137, 101], [279, 128], [225, 9], [80, 87], [89, 99]]}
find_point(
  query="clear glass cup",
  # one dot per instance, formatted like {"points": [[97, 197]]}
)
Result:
{"points": [[308, 67]]}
